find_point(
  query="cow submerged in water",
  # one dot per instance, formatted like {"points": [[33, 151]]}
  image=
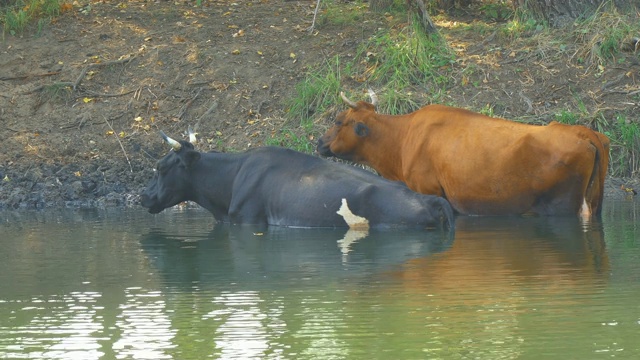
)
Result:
{"points": [[278, 186], [482, 165]]}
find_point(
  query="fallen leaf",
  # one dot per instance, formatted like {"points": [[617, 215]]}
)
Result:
{"points": [[139, 118], [235, 52], [110, 132], [122, 134], [292, 55], [77, 173], [87, 100]]}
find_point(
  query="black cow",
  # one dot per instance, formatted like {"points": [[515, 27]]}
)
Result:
{"points": [[278, 186]]}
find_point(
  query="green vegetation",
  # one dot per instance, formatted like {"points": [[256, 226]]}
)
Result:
{"points": [[17, 15], [624, 134], [402, 64]]}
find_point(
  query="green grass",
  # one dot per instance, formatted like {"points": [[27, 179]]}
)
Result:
{"points": [[624, 134], [340, 14], [17, 15], [290, 139]]}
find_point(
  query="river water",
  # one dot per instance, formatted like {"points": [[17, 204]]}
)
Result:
{"points": [[124, 284]]}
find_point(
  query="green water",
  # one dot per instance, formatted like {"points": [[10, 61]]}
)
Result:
{"points": [[129, 285]]}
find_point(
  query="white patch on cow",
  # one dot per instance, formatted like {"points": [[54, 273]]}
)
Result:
{"points": [[354, 221], [349, 238], [585, 214]]}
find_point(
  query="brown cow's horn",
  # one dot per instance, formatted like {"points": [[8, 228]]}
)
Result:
{"points": [[192, 135], [374, 97], [351, 104], [174, 144]]}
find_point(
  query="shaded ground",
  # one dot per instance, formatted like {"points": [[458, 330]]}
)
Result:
{"points": [[81, 104]]}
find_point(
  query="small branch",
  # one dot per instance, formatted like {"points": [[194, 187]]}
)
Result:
{"points": [[211, 109], [95, 94], [95, 65], [185, 107], [22, 77], [74, 85], [119, 142], [315, 13]]}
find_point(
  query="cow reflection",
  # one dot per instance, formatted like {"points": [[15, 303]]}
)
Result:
{"points": [[249, 255], [501, 275]]}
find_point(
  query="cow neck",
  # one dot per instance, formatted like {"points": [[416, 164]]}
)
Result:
{"points": [[213, 178], [385, 145]]}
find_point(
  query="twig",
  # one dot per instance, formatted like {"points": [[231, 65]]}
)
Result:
{"points": [[211, 109], [315, 13], [84, 71], [527, 101], [95, 94], [119, 142], [22, 77], [185, 107]]}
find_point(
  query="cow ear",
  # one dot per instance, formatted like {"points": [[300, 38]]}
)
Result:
{"points": [[361, 129], [190, 158]]}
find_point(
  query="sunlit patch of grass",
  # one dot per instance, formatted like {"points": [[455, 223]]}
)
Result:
{"points": [[567, 117], [290, 139], [339, 13], [624, 134], [316, 93], [602, 36], [16, 15]]}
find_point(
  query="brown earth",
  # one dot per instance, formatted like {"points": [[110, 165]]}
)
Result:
{"points": [[81, 104]]}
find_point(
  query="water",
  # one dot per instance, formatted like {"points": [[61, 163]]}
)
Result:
{"points": [[123, 284]]}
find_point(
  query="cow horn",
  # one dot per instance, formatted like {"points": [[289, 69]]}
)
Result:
{"points": [[351, 104], [192, 135], [174, 144], [374, 97]]}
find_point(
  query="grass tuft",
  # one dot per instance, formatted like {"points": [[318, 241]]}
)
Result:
{"points": [[17, 15]]}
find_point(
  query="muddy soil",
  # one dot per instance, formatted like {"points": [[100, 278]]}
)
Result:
{"points": [[81, 102]]}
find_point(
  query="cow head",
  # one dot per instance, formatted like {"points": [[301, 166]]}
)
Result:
{"points": [[171, 183], [350, 130]]}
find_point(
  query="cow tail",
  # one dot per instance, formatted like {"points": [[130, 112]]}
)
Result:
{"points": [[446, 213], [595, 187]]}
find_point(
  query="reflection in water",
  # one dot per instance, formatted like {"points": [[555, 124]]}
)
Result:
{"points": [[90, 286], [242, 332], [500, 276], [146, 330], [69, 328], [251, 256]]}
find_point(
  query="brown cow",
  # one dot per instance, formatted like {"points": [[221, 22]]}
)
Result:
{"points": [[482, 165]]}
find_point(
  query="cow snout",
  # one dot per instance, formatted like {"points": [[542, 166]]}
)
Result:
{"points": [[323, 148]]}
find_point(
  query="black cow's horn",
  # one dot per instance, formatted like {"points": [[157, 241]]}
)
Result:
{"points": [[351, 104], [374, 97], [192, 135], [174, 144]]}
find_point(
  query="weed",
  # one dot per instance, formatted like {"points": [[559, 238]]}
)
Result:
{"points": [[337, 13], [16, 15], [316, 93], [496, 10], [487, 110], [289, 139], [567, 117]]}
